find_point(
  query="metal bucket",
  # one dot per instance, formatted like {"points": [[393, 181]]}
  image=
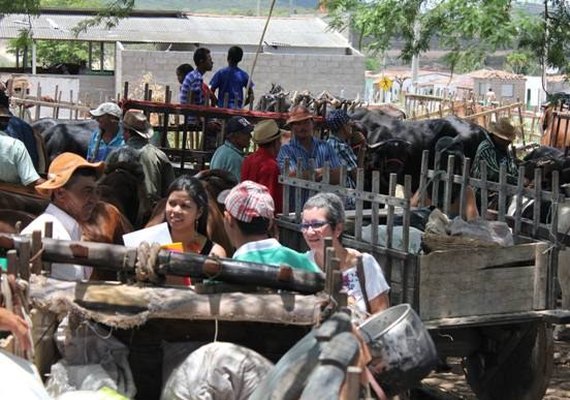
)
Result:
{"points": [[402, 349]]}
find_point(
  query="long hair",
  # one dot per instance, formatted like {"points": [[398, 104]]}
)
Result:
{"points": [[193, 187]]}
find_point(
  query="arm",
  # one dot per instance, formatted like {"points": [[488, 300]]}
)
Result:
{"points": [[471, 211], [26, 171], [217, 251], [185, 89], [15, 324], [379, 303]]}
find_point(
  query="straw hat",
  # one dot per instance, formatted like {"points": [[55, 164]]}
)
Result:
{"points": [[136, 121], [266, 131], [62, 168], [503, 129], [298, 114]]}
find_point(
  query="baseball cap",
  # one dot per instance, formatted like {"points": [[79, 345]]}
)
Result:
{"points": [[248, 200], [62, 168], [107, 108], [238, 124], [337, 118]]}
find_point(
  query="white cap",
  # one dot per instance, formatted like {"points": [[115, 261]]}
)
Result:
{"points": [[107, 108]]}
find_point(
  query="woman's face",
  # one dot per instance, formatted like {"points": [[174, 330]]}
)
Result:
{"points": [[315, 228], [182, 212]]}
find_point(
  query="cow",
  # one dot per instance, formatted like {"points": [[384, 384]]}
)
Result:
{"points": [[555, 130], [401, 142], [69, 136]]}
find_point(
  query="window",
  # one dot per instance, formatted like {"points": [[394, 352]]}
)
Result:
{"points": [[508, 90]]}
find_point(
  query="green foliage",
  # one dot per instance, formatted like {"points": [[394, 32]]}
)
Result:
{"points": [[372, 64], [52, 52], [522, 62], [468, 29]]}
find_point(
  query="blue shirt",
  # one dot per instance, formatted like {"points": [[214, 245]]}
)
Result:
{"points": [[228, 158], [321, 152], [21, 130], [231, 80], [192, 85], [104, 148]]}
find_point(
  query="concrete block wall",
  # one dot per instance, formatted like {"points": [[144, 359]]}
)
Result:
{"points": [[497, 84], [338, 74]]}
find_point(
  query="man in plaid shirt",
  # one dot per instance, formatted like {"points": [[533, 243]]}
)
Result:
{"points": [[338, 122]]}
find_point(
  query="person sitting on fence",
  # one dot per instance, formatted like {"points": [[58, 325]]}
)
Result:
{"points": [[72, 187], [229, 156], [494, 151], [156, 166], [19, 86], [231, 81], [15, 163], [302, 147], [18, 129], [367, 289], [248, 219], [338, 122], [446, 147], [109, 135], [261, 166]]}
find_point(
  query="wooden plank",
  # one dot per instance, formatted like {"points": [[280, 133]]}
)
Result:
{"points": [[484, 282], [540, 277], [374, 221], [359, 205], [390, 217]]}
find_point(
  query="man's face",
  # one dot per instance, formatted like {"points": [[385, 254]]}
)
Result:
{"points": [[302, 129], [208, 64], [79, 198], [242, 139], [105, 121]]}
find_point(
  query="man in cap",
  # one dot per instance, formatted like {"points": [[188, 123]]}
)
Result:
{"points": [[109, 135], [261, 166], [494, 151], [15, 163], [72, 187], [229, 156], [338, 122], [17, 128], [156, 166], [248, 219]]}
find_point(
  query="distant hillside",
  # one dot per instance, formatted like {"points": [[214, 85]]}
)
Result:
{"points": [[225, 6]]}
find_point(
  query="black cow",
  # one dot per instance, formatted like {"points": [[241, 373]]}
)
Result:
{"points": [[396, 145], [69, 136], [547, 159]]}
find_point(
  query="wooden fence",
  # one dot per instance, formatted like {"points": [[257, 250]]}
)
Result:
{"points": [[383, 209]]}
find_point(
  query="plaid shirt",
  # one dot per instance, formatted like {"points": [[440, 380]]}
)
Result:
{"points": [[494, 159], [321, 152], [346, 157], [192, 84]]}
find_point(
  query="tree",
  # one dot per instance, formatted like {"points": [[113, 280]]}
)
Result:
{"points": [[468, 29]]}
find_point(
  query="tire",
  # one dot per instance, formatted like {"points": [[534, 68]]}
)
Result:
{"points": [[524, 372]]}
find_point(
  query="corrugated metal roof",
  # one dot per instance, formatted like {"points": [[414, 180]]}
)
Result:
{"points": [[201, 29]]}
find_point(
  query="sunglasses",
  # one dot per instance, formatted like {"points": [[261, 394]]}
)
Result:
{"points": [[314, 225]]}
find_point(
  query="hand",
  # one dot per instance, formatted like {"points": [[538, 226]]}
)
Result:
{"points": [[19, 328]]}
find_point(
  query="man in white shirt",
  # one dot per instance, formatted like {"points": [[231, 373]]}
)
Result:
{"points": [[72, 187]]}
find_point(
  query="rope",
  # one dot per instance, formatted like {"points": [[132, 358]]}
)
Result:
{"points": [[259, 47], [147, 256], [37, 255]]}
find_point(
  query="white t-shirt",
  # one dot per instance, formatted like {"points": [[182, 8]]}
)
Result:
{"points": [[375, 282], [65, 227]]}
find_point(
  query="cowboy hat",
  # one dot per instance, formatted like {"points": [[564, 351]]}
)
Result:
{"points": [[266, 131], [62, 168], [298, 114], [136, 121], [503, 129]]}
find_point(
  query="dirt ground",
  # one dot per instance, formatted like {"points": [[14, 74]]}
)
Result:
{"points": [[452, 384]]}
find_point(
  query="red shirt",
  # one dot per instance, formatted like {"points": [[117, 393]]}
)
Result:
{"points": [[261, 167]]}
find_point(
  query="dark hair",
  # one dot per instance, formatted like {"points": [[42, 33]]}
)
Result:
{"points": [[182, 70], [80, 172], [194, 188], [4, 99], [200, 55], [257, 226], [235, 54]]}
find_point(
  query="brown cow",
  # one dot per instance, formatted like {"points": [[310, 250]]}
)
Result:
{"points": [[555, 127]]}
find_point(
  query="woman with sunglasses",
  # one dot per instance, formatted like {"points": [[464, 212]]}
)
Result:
{"points": [[323, 216]]}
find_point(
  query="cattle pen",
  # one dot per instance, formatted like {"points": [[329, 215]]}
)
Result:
{"points": [[492, 305]]}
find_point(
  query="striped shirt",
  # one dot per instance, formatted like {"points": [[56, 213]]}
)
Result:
{"points": [[321, 152], [192, 84], [346, 157], [494, 158]]}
